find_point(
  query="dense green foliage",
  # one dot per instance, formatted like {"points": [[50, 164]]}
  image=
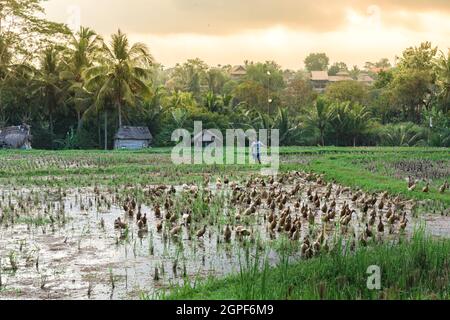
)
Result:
{"points": [[79, 88]]}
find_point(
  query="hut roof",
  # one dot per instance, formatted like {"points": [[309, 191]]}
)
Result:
{"points": [[133, 133], [319, 76], [238, 70], [208, 136], [15, 137]]}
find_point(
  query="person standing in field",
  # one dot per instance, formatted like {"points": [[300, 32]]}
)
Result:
{"points": [[256, 150]]}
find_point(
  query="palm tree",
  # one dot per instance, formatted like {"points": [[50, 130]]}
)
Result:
{"points": [[320, 116], [402, 135], [359, 118], [47, 82], [120, 75], [443, 79], [288, 129], [213, 102], [341, 121], [82, 50]]}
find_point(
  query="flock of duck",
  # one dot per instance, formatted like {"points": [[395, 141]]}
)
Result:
{"points": [[412, 186], [299, 206]]}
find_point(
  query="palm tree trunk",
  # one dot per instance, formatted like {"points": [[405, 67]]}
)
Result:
{"points": [[106, 129], [119, 108], [99, 130], [80, 122], [51, 122], [322, 139]]}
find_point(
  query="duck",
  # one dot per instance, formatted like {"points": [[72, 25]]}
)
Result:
{"points": [[311, 217], [227, 233], [426, 189], [141, 224], [173, 218], [157, 210], [201, 232], [403, 224], [237, 216], [381, 226], [442, 188], [305, 246], [159, 225], [296, 235], [175, 230], [241, 231], [412, 187], [118, 224], [144, 219], [187, 218], [273, 225], [368, 232]]}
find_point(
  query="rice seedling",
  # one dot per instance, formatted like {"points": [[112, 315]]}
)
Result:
{"points": [[206, 222]]}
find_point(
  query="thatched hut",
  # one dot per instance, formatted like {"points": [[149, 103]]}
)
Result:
{"points": [[133, 138], [17, 137]]}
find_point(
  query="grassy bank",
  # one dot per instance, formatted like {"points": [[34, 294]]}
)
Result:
{"points": [[416, 269]]}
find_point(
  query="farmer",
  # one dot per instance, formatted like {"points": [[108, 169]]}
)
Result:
{"points": [[256, 150]]}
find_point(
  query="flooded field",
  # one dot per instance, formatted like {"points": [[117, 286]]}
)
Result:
{"points": [[70, 244]]}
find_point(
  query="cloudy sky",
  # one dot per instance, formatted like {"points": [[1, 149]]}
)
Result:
{"points": [[231, 31]]}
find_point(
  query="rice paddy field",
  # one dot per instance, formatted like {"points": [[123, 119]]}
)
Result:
{"points": [[132, 225]]}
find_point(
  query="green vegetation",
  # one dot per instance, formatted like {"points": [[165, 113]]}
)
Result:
{"points": [[415, 269], [83, 87], [372, 169]]}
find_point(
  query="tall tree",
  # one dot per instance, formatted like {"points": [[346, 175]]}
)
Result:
{"points": [[337, 67], [342, 91], [190, 76], [48, 84], [319, 117], [122, 72], [317, 62], [23, 33], [80, 54], [443, 80]]}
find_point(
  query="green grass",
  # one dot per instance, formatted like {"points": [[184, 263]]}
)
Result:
{"points": [[417, 269], [348, 166]]}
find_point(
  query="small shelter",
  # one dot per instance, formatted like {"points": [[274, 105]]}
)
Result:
{"points": [[133, 138], [237, 72], [319, 80], [17, 137], [208, 137]]}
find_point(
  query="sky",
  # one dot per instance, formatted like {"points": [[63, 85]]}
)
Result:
{"points": [[286, 31]]}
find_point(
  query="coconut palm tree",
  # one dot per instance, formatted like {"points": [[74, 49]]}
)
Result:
{"points": [[82, 50], [47, 83], [121, 74], [320, 116], [359, 118], [443, 79], [289, 129]]}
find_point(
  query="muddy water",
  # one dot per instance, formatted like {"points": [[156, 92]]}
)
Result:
{"points": [[83, 254], [83, 259]]}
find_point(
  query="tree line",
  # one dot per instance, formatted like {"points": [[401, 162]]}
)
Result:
{"points": [[76, 88]]}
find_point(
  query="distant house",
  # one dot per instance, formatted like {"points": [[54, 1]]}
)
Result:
{"points": [[340, 76], [366, 79], [238, 72], [320, 79], [377, 70], [133, 138], [18, 137], [207, 137]]}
